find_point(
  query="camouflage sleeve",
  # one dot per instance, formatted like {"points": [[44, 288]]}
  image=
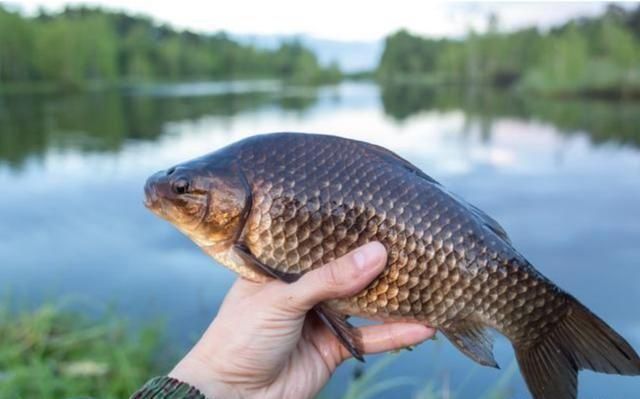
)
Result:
{"points": [[167, 388]]}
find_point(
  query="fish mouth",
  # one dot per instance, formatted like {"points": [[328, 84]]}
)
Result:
{"points": [[150, 197], [154, 189]]}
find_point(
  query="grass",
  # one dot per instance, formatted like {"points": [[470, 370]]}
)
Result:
{"points": [[370, 384], [52, 353]]}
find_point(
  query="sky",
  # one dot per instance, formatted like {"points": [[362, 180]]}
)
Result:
{"points": [[345, 20]]}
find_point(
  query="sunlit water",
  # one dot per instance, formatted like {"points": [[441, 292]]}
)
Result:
{"points": [[564, 184]]}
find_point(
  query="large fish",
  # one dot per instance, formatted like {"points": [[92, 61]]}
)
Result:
{"points": [[279, 205]]}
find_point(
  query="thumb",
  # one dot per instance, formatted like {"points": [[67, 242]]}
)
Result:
{"points": [[342, 277]]}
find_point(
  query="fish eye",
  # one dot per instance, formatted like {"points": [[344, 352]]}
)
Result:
{"points": [[181, 186]]}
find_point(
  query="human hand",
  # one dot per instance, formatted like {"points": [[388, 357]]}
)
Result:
{"points": [[264, 344]]}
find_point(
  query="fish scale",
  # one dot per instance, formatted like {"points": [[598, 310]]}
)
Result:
{"points": [[311, 208], [280, 205]]}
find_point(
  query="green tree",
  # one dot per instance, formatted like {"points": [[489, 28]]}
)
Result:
{"points": [[82, 45], [588, 56], [73, 51], [16, 47]]}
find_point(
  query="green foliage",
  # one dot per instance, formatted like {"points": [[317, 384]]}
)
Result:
{"points": [[372, 384], [49, 353], [81, 46], [295, 62], [70, 50], [52, 353], [597, 56], [16, 46]]}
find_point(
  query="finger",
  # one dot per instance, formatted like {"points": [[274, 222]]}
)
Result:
{"points": [[342, 277], [388, 337]]}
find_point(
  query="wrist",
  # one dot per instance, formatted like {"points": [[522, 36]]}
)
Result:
{"points": [[196, 373]]}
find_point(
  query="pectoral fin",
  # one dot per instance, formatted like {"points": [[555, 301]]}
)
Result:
{"points": [[245, 254], [346, 333], [474, 341], [336, 322]]}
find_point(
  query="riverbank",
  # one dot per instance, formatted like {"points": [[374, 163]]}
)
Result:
{"points": [[610, 91], [36, 88], [51, 352]]}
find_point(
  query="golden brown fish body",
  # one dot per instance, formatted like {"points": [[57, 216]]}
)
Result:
{"points": [[280, 205]]}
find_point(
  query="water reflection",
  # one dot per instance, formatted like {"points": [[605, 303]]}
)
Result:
{"points": [[602, 120], [103, 121], [72, 223]]}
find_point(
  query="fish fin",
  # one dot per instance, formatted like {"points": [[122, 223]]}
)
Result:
{"points": [[473, 340], [392, 157], [337, 323], [245, 254], [580, 340], [346, 333], [490, 222]]}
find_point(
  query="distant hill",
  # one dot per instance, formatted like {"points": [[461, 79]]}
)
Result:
{"points": [[351, 56]]}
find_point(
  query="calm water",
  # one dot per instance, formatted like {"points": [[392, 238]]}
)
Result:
{"points": [[562, 177]]}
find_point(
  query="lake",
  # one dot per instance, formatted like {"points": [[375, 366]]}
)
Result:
{"points": [[562, 177]]}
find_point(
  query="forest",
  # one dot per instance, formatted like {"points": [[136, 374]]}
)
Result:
{"points": [[597, 56], [82, 46]]}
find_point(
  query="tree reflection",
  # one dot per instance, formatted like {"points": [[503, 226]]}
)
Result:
{"points": [[603, 121], [104, 121]]}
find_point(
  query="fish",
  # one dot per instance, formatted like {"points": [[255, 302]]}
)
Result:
{"points": [[276, 206]]}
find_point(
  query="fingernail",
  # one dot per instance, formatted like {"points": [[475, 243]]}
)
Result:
{"points": [[367, 255], [360, 259]]}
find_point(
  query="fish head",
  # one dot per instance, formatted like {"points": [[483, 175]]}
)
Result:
{"points": [[208, 205]]}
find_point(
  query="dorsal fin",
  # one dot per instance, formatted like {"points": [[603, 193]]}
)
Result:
{"points": [[487, 220], [392, 157], [490, 222]]}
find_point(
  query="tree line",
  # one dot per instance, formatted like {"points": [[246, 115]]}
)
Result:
{"points": [[80, 46], [597, 56]]}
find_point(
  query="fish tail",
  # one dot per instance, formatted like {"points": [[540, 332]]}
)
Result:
{"points": [[579, 341]]}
